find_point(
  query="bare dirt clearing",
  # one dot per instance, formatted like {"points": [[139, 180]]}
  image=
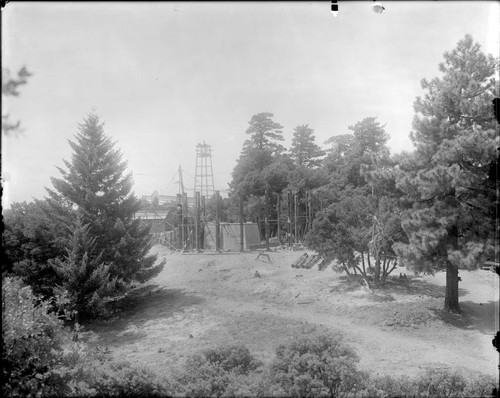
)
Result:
{"points": [[204, 300]]}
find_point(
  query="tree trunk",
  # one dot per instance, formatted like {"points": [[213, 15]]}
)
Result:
{"points": [[385, 267], [346, 270], [376, 274], [363, 262], [451, 298]]}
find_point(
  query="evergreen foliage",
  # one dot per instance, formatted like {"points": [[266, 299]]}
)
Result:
{"points": [[40, 358], [362, 220], [264, 134], [450, 222], [96, 185], [32, 341], [259, 152], [86, 280], [366, 145], [34, 234], [304, 150]]}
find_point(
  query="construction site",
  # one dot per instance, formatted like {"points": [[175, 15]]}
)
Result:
{"points": [[181, 223]]}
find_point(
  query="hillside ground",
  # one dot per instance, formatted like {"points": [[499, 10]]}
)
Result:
{"points": [[205, 300]]}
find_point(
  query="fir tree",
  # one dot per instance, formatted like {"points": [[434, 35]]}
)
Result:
{"points": [[96, 185], [34, 234], [86, 279], [450, 219]]}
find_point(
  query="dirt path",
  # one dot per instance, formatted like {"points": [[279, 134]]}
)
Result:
{"points": [[200, 301]]}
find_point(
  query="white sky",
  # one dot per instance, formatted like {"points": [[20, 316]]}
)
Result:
{"points": [[166, 76]]}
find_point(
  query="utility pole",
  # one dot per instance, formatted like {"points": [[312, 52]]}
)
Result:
{"points": [[181, 182]]}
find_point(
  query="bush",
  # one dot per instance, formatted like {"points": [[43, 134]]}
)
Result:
{"points": [[436, 383], [32, 341], [121, 379], [222, 371], [316, 366], [236, 358], [39, 357]]}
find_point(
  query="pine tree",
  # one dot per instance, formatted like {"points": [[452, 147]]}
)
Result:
{"points": [[264, 133], [96, 185], [304, 151], [259, 152], [450, 222]]}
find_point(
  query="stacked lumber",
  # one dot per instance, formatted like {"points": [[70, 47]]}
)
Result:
{"points": [[300, 261]]}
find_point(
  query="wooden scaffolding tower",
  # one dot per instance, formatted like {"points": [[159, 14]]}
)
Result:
{"points": [[204, 175]]}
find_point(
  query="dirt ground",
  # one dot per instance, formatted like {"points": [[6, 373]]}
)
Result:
{"points": [[205, 300]]}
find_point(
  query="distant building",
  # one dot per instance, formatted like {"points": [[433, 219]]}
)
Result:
{"points": [[165, 199], [157, 219]]}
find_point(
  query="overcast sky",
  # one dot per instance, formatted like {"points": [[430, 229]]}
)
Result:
{"points": [[166, 76]]}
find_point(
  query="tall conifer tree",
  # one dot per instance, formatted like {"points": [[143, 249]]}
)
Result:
{"points": [[305, 151], [450, 221], [96, 185]]}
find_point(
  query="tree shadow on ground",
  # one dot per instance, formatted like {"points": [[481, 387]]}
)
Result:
{"points": [[395, 285], [147, 303], [413, 286], [474, 316]]}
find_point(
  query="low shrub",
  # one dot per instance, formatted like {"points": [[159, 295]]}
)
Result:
{"points": [[122, 379], [316, 366], [39, 357], [217, 372], [32, 342], [435, 383], [236, 358]]}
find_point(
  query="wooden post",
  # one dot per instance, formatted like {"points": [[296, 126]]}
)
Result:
{"points": [[180, 234], [289, 219], [310, 210], [185, 228], [217, 222], [266, 218], [203, 219], [307, 212], [197, 222], [295, 216], [278, 216], [242, 231]]}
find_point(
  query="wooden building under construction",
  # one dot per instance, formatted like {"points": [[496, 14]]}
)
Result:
{"points": [[230, 236]]}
